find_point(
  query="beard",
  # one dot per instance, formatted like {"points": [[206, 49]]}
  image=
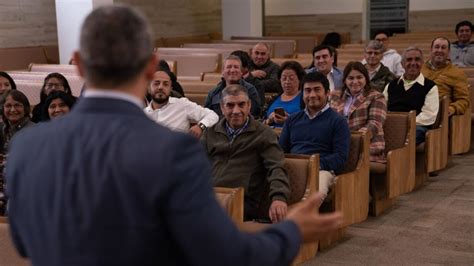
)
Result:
{"points": [[160, 98]]}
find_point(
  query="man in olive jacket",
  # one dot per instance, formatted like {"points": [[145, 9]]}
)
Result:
{"points": [[245, 153]]}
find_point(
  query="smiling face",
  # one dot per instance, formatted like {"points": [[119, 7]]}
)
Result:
{"points": [[57, 108], [315, 96], [412, 63], [232, 71], [439, 52], [323, 60], [464, 34], [236, 109], [289, 82], [160, 87], [13, 110], [355, 82], [4, 85]]}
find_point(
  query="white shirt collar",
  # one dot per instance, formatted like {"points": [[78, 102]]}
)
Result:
{"points": [[149, 107], [111, 94], [420, 79]]}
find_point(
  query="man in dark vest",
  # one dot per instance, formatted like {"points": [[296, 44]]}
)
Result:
{"points": [[412, 91]]}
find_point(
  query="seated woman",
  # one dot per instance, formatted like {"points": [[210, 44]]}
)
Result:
{"points": [[288, 102], [57, 104], [52, 82], [364, 107], [6, 84]]}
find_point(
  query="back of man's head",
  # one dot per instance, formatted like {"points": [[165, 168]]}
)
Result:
{"points": [[316, 77], [115, 45]]}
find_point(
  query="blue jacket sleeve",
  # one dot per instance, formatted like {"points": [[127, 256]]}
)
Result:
{"points": [[284, 139], [198, 225], [341, 144]]}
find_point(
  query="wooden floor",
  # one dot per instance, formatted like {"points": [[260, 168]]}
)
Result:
{"points": [[433, 225]]}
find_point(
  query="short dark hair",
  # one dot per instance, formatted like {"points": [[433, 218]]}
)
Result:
{"points": [[19, 97], [316, 77], [244, 57], [333, 39], [356, 65], [322, 47], [115, 45], [293, 65], [383, 31], [463, 23], [9, 78], [67, 88], [442, 38], [66, 98]]}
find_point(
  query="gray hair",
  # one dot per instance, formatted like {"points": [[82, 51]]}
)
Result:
{"points": [[376, 45], [232, 57], [411, 48], [234, 90], [115, 45]]}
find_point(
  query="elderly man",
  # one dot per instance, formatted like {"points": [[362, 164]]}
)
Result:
{"points": [[323, 62], [379, 74], [232, 74], [391, 58], [412, 91], [451, 80], [176, 113], [263, 68], [318, 129], [462, 50], [115, 188], [245, 153]]}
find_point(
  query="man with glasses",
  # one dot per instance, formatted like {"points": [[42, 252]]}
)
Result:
{"points": [[379, 74], [391, 58]]}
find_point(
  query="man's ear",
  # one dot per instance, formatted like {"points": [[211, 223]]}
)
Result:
{"points": [[79, 64]]}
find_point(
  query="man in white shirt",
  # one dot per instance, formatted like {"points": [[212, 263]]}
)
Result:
{"points": [[176, 113], [412, 91], [391, 58]]}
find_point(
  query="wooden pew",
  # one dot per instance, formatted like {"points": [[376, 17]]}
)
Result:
{"points": [[303, 173], [231, 46], [197, 87], [350, 194], [304, 44], [232, 201], [31, 90], [180, 40], [397, 176], [19, 58], [199, 98], [460, 133], [50, 68], [303, 61], [194, 65], [432, 155], [223, 52], [281, 48]]}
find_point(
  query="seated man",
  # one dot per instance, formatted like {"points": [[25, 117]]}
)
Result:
{"points": [[261, 67], [176, 113], [323, 62], [379, 74], [412, 91], [462, 51], [391, 58], [232, 74], [450, 80], [245, 153], [258, 83], [318, 129]]}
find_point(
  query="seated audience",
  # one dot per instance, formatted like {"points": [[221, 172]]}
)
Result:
{"points": [[391, 58], [16, 116], [176, 113], [462, 50], [323, 60], [57, 104], [364, 108], [450, 79], [52, 82], [261, 67], [232, 74], [412, 91], [245, 153], [318, 129], [258, 83], [379, 74], [290, 101], [6, 83]]}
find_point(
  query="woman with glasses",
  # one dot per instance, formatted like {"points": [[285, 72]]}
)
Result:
{"points": [[289, 101], [57, 104], [52, 82], [364, 107]]}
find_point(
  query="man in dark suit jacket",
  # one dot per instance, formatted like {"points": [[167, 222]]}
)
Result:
{"points": [[105, 185]]}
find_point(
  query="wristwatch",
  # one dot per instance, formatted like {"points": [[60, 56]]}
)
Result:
{"points": [[202, 126]]}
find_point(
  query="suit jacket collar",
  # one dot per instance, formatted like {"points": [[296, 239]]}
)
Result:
{"points": [[106, 105]]}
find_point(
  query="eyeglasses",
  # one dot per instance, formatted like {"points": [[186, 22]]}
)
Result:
{"points": [[52, 85], [15, 106]]}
